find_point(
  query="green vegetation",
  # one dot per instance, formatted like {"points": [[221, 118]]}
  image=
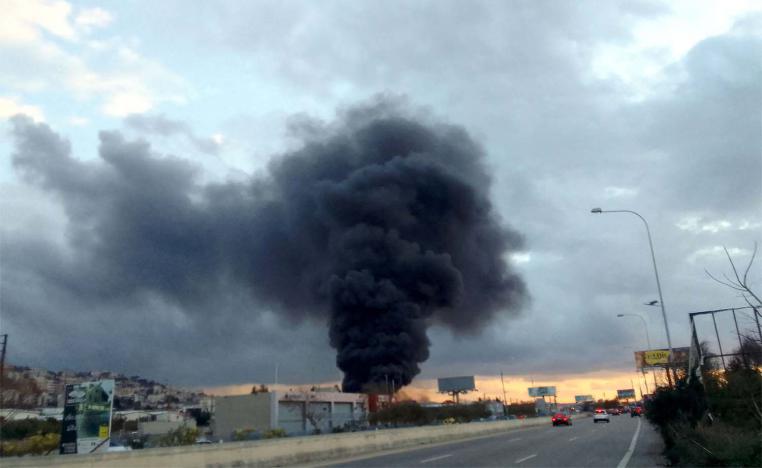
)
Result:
{"points": [[523, 408], [245, 434], [180, 436], [274, 433], [23, 428], [715, 424], [39, 444], [408, 413]]}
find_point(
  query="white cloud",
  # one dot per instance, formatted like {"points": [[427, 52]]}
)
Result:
{"points": [[10, 106], [658, 42], [23, 20], [122, 104], [218, 138], [78, 121], [521, 257], [747, 225], [716, 251], [697, 224], [40, 35], [619, 192], [94, 18]]}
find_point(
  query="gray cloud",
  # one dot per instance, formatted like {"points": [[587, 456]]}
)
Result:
{"points": [[379, 226], [163, 126], [518, 76]]}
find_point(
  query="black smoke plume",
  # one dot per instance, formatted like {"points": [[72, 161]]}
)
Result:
{"points": [[380, 224]]}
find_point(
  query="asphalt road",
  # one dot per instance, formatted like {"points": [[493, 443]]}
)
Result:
{"points": [[583, 444]]}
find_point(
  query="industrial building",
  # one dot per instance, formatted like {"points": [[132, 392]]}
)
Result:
{"points": [[299, 412]]}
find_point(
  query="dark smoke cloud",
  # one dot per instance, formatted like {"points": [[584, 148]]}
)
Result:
{"points": [[381, 225]]}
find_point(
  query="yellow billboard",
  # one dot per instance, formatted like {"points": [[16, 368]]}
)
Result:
{"points": [[660, 358]]}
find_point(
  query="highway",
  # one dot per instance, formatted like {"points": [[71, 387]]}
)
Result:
{"points": [[583, 444]]}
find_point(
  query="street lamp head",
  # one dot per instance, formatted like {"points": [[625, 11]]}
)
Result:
{"points": [[620, 315], [596, 210], [651, 303]]}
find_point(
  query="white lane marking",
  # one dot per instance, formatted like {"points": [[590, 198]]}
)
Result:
{"points": [[436, 458], [573, 439], [525, 458], [513, 440], [628, 454]]}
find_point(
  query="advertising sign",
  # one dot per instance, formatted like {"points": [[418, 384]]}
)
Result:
{"points": [[582, 398], [654, 358], [542, 391], [87, 416], [456, 384], [626, 393]]}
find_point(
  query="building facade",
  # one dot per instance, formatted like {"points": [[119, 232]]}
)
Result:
{"points": [[294, 412]]}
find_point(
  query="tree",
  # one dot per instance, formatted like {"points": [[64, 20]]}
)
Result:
{"points": [[314, 412], [750, 352], [262, 388], [738, 282]]}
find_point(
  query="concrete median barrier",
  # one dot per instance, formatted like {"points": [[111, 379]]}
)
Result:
{"points": [[280, 452]]}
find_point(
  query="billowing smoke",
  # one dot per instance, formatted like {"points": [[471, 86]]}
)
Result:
{"points": [[380, 224]]}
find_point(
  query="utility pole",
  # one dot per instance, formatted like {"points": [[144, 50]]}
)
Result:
{"points": [[4, 344], [502, 382]]}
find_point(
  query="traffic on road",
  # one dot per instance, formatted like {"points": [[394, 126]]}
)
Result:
{"points": [[621, 443]]}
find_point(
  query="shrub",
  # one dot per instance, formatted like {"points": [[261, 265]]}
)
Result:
{"points": [[34, 445], [274, 433], [245, 434], [181, 436], [730, 437], [24, 428], [411, 413]]}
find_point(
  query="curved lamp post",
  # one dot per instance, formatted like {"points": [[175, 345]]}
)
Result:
{"points": [[656, 271], [645, 325]]}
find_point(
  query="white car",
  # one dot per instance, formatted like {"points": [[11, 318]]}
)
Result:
{"points": [[601, 415]]}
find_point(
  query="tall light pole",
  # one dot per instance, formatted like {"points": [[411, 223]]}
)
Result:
{"points": [[645, 325], [648, 342], [656, 271]]}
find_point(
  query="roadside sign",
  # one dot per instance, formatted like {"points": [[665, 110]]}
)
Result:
{"points": [[542, 391], [87, 412]]}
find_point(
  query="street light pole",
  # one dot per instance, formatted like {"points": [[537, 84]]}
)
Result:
{"points": [[645, 326], [656, 271], [648, 341]]}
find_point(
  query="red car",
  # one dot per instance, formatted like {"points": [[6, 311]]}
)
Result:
{"points": [[614, 411], [561, 418]]}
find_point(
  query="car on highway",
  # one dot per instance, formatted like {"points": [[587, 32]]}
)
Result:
{"points": [[614, 411], [601, 415], [561, 418]]}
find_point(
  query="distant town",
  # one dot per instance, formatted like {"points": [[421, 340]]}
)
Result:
{"points": [[29, 388]]}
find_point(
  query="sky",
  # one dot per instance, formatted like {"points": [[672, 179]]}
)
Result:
{"points": [[644, 105]]}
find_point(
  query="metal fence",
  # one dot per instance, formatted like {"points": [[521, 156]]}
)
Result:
{"points": [[723, 338]]}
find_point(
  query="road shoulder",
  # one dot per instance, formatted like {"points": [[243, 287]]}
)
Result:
{"points": [[649, 449]]}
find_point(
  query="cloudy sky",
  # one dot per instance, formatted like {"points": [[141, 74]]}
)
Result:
{"points": [[642, 105]]}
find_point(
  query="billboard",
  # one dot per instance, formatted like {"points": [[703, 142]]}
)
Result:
{"points": [[456, 384], [582, 398], [86, 422], [626, 393], [658, 358], [542, 391]]}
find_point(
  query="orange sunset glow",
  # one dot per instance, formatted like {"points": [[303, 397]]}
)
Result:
{"points": [[601, 384]]}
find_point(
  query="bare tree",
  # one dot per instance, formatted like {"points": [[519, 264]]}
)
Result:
{"points": [[738, 282], [314, 412]]}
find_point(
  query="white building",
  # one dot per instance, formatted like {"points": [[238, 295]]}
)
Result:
{"points": [[294, 412]]}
